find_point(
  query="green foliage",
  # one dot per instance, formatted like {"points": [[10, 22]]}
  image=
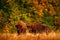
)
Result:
{"points": [[48, 19], [12, 11]]}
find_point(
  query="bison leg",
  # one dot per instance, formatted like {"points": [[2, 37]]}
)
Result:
{"points": [[48, 31], [19, 32], [33, 31]]}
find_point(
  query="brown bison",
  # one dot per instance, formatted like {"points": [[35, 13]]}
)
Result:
{"points": [[21, 27], [38, 28]]}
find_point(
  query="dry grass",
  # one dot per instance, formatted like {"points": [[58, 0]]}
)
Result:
{"points": [[29, 36]]}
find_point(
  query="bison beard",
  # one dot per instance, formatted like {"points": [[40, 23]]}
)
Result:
{"points": [[38, 28]]}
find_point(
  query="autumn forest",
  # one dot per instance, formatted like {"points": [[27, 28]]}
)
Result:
{"points": [[34, 16]]}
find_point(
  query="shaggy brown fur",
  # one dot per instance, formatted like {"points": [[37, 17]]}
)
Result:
{"points": [[21, 27], [38, 28]]}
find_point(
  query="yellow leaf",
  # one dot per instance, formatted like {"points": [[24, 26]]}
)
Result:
{"points": [[41, 14]]}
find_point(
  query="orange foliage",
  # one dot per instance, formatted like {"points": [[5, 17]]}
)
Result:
{"points": [[41, 7], [35, 2], [41, 14], [52, 11], [6, 29], [44, 1]]}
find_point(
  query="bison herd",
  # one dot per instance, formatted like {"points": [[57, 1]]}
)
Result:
{"points": [[32, 28]]}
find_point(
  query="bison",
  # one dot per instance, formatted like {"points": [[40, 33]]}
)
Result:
{"points": [[21, 27], [38, 28]]}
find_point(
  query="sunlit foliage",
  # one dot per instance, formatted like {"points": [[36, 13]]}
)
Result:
{"points": [[42, 11]]}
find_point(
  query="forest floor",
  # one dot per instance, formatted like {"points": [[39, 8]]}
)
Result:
{"points": [[29, 36]]}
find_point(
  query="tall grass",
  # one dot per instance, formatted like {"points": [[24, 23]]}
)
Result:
{"points": [[29, 36]]}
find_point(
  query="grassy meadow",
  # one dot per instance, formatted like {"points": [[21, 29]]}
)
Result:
{"points": [[29, 36]]}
